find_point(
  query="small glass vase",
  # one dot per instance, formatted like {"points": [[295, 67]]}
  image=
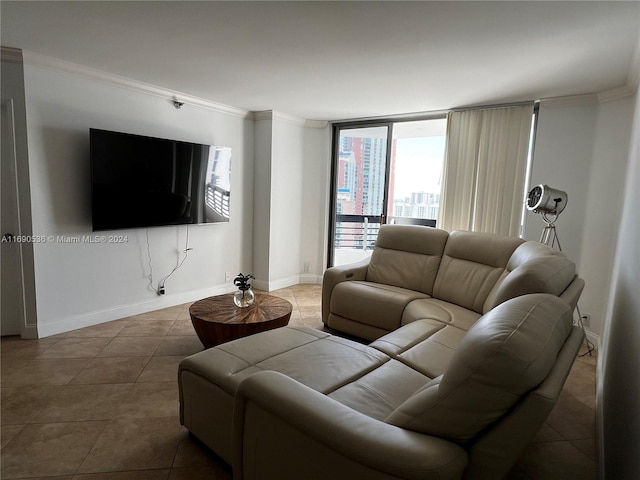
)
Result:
{"points": [[244, 298]]}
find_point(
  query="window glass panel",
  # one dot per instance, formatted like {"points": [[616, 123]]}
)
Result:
{"points": [[417, 159], [361, 171], [359, 192]]}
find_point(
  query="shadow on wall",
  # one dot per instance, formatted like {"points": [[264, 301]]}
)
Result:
{"points": [[62, 162]]}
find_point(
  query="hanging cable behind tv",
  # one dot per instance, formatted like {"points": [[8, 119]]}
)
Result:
{"points": [[160, 288]]}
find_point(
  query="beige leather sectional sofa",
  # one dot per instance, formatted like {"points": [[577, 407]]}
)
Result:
{"points": [[456, 389]]}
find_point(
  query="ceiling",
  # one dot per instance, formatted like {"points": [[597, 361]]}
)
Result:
{"points": [[338, 60]]}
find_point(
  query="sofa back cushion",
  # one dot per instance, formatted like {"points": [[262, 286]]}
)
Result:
{"points": [[508, 352], [471, 265], [407, 256], [533, 268]]}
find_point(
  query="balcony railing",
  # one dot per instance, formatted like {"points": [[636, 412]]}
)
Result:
{"points": [[356, 235], [361, 231], [218, 200], [356, 231]]}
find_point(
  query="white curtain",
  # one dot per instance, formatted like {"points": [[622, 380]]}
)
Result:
{"points": [[485, 169]]}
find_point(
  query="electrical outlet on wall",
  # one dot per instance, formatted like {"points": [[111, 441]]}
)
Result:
{"points": [[586, 319], [307, 267], [227, 276]]}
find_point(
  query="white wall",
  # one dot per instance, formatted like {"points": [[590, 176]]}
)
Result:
{"points": [[262, 200], [562, 160], [291, 183], [84, 284], [604, 206], [582, 149], [278, 202], [316, 176], [286, 201], [618, 376]]}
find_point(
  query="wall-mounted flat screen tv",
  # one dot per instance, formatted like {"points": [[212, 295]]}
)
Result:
{"points": [[139, 181]]}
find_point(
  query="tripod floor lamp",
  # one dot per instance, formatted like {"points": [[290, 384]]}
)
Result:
{"points": [[549, 203]]}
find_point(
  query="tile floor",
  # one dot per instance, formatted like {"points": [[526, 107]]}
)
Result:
{"points": [[101, 403]]}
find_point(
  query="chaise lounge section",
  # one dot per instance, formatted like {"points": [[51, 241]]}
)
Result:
{"points": [[299, 403]]}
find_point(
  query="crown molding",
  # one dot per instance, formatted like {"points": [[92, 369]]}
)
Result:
{"points": [[633, 79], [37, 59], [590, 98], [274, 114], [615, 94], [10, 54], [288, 118], [263, 115], [321, 124], [570, 100]]}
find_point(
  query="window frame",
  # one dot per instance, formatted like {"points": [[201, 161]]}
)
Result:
{"points": [[337, 127]]}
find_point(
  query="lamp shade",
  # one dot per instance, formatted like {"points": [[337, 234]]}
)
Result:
{"points": [[544, 199]]}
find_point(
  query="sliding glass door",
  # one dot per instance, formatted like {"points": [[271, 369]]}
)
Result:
{"points": [[359, 191], [383, 173]]}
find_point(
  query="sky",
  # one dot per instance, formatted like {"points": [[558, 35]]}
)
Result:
{"points": [[418, 165]]}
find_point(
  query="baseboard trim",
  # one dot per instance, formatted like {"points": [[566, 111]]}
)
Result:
{"points": [[271, 285], [593, 338], [283, 283], [29, 332], [10, 54], [56, 327], [309, 278]]}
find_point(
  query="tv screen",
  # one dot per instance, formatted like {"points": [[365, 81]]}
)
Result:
{"points": [[139, 181]]}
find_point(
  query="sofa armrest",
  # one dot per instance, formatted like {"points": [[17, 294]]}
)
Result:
{"points": [[335, 275], [573, 291], [498, 450], [283, 429]]}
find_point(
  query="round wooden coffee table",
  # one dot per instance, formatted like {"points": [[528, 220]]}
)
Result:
{"points": [[217, 319]]}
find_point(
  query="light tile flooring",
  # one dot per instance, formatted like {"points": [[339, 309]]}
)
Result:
{"points": [[101, 403]]}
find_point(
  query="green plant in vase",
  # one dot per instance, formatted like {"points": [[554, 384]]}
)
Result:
{"points": [[244, 297]]}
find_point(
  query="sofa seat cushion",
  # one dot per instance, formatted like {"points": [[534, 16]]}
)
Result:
{"points": [[433, 355], [441, 311], [380, 391], [508, 352], [432, 330], [378, 304], [407, 336], [316, 359]]}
